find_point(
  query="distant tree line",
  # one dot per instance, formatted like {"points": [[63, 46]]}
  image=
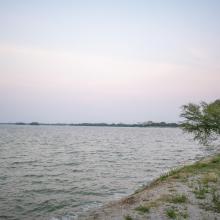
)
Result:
{"points": [[142, 125], [153, 124]]}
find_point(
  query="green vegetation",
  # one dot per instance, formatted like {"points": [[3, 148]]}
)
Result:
{"points": [[216, 200], [203, 167], [128, 217], [174, 173], [200, 191], [178, 198], [142, 209], [171, 213], [203, 120], [184, 214]]}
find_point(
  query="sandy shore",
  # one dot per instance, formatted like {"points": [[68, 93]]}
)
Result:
{"points": [[190, 192]]}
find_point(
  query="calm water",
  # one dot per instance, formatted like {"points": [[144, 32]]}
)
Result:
{"points": [[49, 172]]}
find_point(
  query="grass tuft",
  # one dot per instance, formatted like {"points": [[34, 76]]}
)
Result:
{"points": [[178, 199], [200, 191], [142, 209], [185, 215], [216, 200], [128, 217], [216, 160], [171, 213]]}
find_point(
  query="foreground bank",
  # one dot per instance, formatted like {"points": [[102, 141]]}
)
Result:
{"points": [[191, 192]]}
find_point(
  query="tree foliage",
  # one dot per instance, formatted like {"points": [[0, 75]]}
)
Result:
{"points": [[202, 120]]}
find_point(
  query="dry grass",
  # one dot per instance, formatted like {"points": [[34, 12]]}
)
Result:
{"points": [[209, 178]]}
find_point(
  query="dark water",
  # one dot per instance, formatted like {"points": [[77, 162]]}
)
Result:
{"points": [[49, 172]]}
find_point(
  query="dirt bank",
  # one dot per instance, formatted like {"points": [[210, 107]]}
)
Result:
{"points": [[190, 192]]}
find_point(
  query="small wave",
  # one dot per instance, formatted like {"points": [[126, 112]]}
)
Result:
{"points": [[3, 177], [48, 206], [48, 191], [86, 193], [24, 162], [34, 175], [71, 164], [63, 164]]}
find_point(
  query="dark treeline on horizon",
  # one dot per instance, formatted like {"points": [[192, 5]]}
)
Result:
{"points": [[145, 124]]}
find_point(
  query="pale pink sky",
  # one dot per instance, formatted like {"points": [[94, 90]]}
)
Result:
{"points": [[91, 66]]}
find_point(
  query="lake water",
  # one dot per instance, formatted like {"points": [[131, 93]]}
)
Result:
{"points": [[59, 172]]}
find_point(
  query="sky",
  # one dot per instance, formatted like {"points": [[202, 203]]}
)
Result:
{"points": [[107, 61]]}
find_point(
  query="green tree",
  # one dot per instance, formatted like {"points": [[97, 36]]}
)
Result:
{"points": [[202, 120]]}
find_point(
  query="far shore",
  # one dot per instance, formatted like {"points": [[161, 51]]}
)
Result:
{"points": [[189, 192], [139, 125]]}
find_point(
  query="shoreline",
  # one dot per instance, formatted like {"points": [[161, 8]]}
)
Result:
{"points": [[189, 192]]}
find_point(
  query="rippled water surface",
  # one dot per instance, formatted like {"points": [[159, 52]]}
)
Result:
{"points": [[49, 172]]}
